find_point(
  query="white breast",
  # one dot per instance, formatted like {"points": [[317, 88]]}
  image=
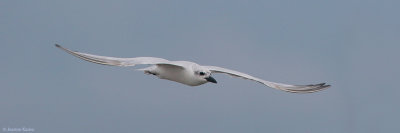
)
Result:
{"points": [[181, 75]]}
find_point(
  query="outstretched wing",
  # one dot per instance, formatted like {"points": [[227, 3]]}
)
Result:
{"points": [[285, 87], [114, 61]]}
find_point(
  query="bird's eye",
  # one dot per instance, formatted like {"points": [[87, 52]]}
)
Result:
{"points": [[202, 73]]}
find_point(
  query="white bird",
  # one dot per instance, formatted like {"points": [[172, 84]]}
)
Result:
{"points": [[188, 73]]}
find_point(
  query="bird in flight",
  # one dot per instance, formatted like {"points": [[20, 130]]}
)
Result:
{"points": [[188, 73]]}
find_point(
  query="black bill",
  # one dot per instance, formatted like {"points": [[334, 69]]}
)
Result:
{"points": [[211, 79]]}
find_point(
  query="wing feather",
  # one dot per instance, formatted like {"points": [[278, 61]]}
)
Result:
{"points": [[284, 87], [114, 61]]}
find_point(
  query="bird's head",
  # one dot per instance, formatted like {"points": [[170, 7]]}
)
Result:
{"points": [[204, 74]]}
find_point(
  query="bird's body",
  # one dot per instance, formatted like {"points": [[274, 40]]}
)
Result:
{"points": [[188, 73], [177, 74]]}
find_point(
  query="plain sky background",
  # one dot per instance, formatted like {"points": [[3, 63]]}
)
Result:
{"points": [[351, 44]]}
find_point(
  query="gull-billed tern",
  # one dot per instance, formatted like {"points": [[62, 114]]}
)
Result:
{"points": [[188, 73]]}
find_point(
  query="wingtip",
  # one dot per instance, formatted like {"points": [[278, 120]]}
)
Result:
{"points": [[317, 87], [324, 86], [58, 46], [327, 86]]}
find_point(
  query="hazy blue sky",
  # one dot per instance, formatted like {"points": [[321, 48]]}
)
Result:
{"points": [[351, 44]]}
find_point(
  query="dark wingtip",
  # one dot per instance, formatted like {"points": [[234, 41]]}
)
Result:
{"points": [[326, 86], [58, 46], [318, 87]]}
